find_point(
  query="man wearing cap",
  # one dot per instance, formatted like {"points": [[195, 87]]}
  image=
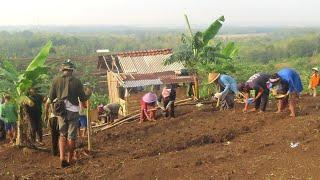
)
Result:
{"points": [[228, 89], [68, 89], [286, 86], [314, 81], [258, 83]]}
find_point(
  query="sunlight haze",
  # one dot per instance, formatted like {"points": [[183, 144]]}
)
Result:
{"points": [[159, 12]]}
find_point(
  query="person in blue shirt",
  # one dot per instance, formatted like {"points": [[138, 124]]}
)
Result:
{"points": [[227, 89], [288, 84]]}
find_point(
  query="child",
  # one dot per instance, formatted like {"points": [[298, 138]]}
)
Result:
{"points": [[83, 119], [10, 116], [314, 81]]}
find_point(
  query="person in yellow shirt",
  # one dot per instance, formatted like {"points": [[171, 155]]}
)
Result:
{"points": [[314, 81]]}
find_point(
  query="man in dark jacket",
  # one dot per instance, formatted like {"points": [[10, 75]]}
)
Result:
{"points": [[68, 89]]}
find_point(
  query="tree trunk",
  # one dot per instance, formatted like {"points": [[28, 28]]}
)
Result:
{"points": [[23, 130]]}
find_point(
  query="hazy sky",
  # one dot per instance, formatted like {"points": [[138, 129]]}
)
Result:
{"points": [[159, 12]]}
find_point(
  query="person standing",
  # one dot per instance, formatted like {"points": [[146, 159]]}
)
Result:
{"points": [[2, 124], [65, 93], [83, 119], [314, 81], [10, 116], [258, 83], [286, 86], [35, 114], [52, 121], [228, 89]]}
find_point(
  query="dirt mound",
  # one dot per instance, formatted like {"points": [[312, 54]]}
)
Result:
{"points": [[199, 144]]}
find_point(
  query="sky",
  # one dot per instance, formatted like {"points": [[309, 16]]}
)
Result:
{"points": [[160, 12]]}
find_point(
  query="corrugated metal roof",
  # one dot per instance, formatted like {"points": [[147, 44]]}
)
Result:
{"points": [[147, 64], [128, 64], [138, 83]]}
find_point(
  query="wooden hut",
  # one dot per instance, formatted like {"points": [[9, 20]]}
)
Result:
{"points": [[131, 74]]}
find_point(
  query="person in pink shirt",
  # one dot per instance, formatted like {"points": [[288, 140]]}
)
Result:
{"points": [[148, 110]]}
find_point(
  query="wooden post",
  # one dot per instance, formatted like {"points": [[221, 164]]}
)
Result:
{"points": [[89, 125], [196, 87]]}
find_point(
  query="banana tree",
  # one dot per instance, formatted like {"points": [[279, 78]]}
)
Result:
{"points": [[199, 49], [20, 82], [201, 55]]}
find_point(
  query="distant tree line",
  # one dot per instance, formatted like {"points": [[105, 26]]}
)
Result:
{"points": [[27, 43], [268, 48]]}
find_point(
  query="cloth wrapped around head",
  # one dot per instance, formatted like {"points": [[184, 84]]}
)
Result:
{"points": [[166, 92], [274, 78]]}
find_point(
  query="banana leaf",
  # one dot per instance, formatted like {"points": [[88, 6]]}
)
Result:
{"points": [[23, 86], [213, 30], [230, 50], [8, 66], [36, 73], [40, 59], [7, 75]]}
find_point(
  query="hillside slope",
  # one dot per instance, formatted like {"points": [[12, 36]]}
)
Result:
{"points": [[198, 144]]}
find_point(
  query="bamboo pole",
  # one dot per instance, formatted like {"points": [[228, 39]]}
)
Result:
{"points": [[89, 126]]}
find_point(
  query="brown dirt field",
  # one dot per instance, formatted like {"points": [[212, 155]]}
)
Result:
{"points": [[199, 144]]}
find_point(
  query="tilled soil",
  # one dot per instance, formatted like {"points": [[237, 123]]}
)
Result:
{"points": [[201, 143]]}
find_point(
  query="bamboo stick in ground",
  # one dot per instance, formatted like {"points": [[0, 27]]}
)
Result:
{"points": [[89, 126]]}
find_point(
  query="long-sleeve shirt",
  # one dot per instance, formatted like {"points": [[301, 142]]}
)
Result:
{"points": [[292, 78], [171, 97], [228, 83]]}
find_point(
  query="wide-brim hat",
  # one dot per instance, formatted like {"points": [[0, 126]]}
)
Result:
{"points": [[316, 69], [280, 96], [212, 77], [149, 97]]}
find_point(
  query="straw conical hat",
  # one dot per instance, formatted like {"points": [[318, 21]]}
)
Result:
{"points": [[316, 69], [213, 77]]}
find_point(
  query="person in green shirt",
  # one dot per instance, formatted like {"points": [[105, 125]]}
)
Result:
{"points": [[10, 116], [2, 129]]}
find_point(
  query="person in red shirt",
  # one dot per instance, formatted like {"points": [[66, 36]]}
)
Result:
{"points": [[148, 110]]}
